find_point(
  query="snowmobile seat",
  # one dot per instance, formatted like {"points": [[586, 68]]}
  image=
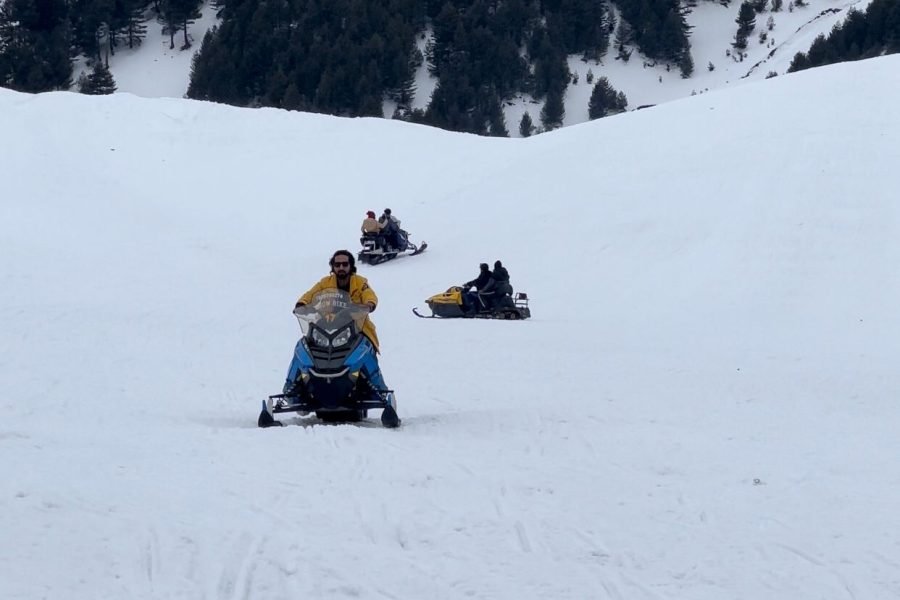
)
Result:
{"points": [[379, 239]]}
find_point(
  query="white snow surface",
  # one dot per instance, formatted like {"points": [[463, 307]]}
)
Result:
{"points": [[703, 406]]}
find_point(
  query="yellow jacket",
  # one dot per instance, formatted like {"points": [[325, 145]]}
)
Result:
{"points": [[360, 293]]}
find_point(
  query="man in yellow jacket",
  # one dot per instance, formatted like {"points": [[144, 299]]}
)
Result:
{"points": [[343, 277]]}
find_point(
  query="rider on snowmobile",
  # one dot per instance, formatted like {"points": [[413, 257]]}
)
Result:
{"points": [[390, 227], [343, 277], [484, 285], [372, 228]]}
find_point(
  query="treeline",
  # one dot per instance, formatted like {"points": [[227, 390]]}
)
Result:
{"points": [[40, 38], [346, 56], [658, 28], [333, 56], [862, 35]]}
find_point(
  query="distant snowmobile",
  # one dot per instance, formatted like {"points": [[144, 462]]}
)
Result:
{"points": [[456, 302], [376, 249], [329, 371]]}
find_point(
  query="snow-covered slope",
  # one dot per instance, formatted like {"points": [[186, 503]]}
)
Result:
{"points": [[154, 70], [714, 26], [702, 407]]}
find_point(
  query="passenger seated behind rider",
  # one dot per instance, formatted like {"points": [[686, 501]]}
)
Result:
{"points": [[501, 276], [482, 298], [369, 224], [371, 227]]}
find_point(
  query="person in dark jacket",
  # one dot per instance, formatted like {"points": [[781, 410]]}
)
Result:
{"points": [[501, 277], [484, 286], [390, 228]]}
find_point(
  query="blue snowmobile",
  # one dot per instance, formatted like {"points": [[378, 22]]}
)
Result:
{"points": [[330, 371]]}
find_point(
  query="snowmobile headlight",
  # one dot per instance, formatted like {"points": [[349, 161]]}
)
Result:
{"points": [[319, 339], [342, 338]]}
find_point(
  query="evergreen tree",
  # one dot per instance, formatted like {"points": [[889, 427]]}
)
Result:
{"points": [[100, 82], [605, 100], [659, 28], [526, 126], [178, 15], [554, 109], [34, 45], [746, 19], [862, 35], [496, 120], [90, 21], [799, 63], [624, 37], [276, 86], [133, 26], [597, 106], [292, 99], [686, 64], [550, 67], [579, 26]]}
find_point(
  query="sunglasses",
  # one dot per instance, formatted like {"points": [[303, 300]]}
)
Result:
{"points": [[341, 264]]}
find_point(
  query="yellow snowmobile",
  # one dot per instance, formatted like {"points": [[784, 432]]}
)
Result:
{"points": [[458, 303]]}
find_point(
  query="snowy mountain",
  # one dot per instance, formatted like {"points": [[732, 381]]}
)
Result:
{"points": [[703, 405], [154, 70]]}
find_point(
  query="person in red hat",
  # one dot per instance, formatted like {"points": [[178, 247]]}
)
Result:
{"points": [[370, 224]]}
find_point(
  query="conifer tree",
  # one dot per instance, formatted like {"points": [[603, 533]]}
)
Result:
{"points": [[624, 37], [292, 99], [686, 64], [34, 45], [605, 100], [746, 19], [554, 109], [526, 126], [133, 26], [100, 82], [178, 15], [90, 25], [597, 105]]}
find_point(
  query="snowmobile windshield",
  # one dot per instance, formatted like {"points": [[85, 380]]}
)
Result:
{"points": [[331, 311]]}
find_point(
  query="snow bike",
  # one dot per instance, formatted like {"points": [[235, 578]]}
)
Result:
{"points": [[330, 373], [376, 249], [456, 302]]}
